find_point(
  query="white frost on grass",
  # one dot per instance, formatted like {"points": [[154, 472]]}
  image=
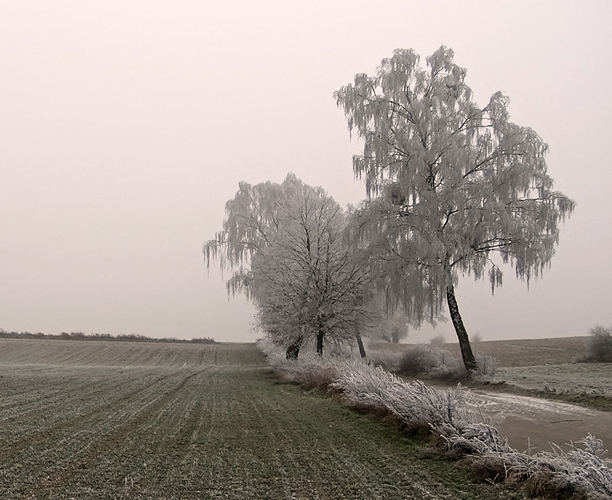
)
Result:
{"points": [[579, 378], [581, 470], [584, 469], [412, 402], [530, 408]]}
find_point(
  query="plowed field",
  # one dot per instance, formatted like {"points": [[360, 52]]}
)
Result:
{"points": [[110, 420]]}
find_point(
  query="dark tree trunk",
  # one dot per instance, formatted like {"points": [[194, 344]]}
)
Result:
{"points": [[294, 349], [464, 342], [320, 335], [395, 335], [360, 344]]}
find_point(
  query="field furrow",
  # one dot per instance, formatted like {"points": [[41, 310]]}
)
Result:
{"points": [[213, 424], [129, 423], [80, 408]]}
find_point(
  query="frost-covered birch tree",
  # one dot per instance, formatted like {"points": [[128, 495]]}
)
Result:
{"points": [[449, 185], [284, 244]]}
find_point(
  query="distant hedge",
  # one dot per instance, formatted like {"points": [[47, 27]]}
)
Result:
{"points": [[101, 336]]}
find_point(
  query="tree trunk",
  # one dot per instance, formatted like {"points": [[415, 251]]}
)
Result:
{"points": [[360, 344], [395, 335], [464, 342], [294, 349], [320, 335]]}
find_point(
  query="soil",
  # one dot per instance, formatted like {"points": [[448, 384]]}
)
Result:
{"points": [[535, 424]]}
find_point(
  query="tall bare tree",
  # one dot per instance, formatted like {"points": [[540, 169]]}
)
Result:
{"points": [[449, 184], [284, 243]]}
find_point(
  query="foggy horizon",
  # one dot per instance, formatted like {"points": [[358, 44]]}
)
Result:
{"points": [[127, 126]]}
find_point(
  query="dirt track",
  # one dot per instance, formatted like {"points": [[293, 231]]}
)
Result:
{"points": [[535, 423]]}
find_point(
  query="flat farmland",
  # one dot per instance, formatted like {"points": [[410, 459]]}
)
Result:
{"points": [[529, 352], [586, 378], [522, 352], [118, 420]]}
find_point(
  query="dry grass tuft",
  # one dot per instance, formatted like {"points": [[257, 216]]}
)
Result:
{"points": [[491, 469]]}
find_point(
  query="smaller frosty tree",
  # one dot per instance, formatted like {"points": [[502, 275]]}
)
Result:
{"points": [[448, 183], [285, 245]]}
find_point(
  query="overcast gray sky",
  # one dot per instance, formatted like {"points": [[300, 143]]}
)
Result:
{"points": [[125, 126]]}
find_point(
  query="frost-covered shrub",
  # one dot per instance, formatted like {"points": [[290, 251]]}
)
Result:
{"points": [[437, 341], [420, 360], [478, 438], [583, 472], [487, 365], [388, 359], [600, 345], [413, 403], [273, 352], [435, 362], [309, 370], [432, 362]]}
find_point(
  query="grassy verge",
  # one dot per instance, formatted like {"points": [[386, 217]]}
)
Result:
{"points": [[584, 384], [214, 425], [601, 402]]}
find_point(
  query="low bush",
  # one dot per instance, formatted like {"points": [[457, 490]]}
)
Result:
{"points": [[309, 370], [438, 340], [600, 345], [422, 360], [435, 362], [388, 359]]}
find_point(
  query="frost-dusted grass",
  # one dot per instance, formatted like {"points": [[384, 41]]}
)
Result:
{"points": [[523, 352], [143, 423], [112, 353], [529, 352], [590, 378]]}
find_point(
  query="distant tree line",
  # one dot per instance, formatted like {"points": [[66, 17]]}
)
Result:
{"points": [[132, 337]]}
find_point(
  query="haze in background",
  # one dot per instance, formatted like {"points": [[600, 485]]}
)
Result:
{"points": [[126, 126]]}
